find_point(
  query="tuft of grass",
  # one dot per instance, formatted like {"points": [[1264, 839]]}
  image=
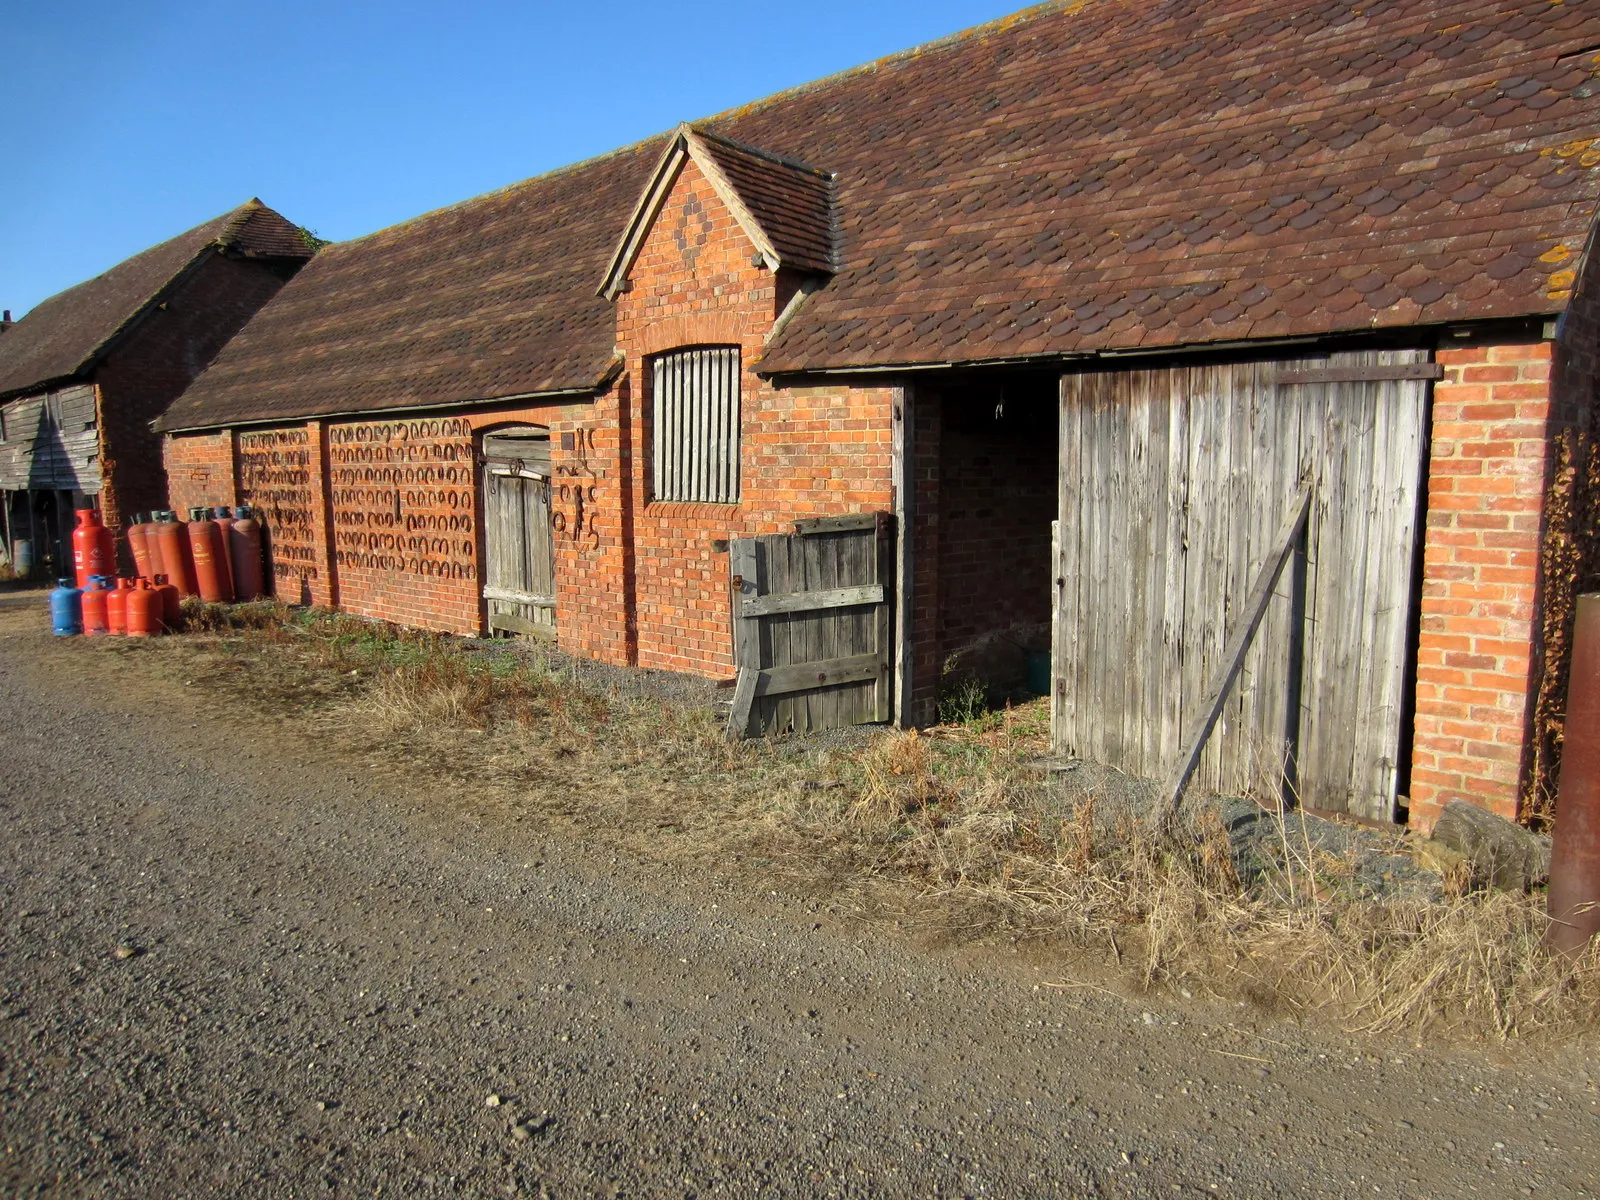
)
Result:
{"points": [[951, 827]]}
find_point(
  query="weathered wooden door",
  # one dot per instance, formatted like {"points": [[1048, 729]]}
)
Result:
{"points": [[519, 553], [812, 625], [1173, 484]]}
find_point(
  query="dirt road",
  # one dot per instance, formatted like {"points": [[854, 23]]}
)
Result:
{"points": [[233, 963]]}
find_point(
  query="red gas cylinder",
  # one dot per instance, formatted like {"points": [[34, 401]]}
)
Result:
{"points": [[175, 558], [171, 604], [244, 545], [210, 570], [223, 516], [93, 552], [94, 607], [117, 606], [152, 545], [141, 552], [144, 610]]}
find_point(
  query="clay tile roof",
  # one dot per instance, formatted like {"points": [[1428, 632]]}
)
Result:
{"points": [[487, 299], [1412, 163], [67, 334], [793, 203], [1109, 175]]}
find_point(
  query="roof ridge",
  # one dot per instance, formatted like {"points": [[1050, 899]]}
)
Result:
{"points": [[770, 156], [998, 25]]}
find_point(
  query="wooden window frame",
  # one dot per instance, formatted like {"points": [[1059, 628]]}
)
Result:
{"points": [[696, 405]]}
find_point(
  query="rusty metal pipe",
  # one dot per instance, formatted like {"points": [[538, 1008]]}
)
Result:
{"points": [[1574, 902]]}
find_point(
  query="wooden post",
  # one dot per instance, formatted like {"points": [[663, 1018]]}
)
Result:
{"points": [[1238, 644], [905, 489], [1295, 684], [744, 566]]}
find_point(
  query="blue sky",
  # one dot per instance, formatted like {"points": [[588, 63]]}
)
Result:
{"points": [[129, 121]]}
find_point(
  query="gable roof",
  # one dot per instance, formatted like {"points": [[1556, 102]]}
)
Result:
{"points": [[1113, 175], [784, 207], [67, 334]]}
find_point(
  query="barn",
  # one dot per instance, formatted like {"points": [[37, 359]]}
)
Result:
{"points": [[1238, 355], [84, 373]]}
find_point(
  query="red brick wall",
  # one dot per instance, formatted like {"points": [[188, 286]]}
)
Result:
{"points": [[279, 475], [636, 581], [805, 451], [157, 361], [1486, 482], [199, 470], [997, 496]]}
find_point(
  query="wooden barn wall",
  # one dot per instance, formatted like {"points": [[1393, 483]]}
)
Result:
{"points": [[51, 442], [1173, 484]]}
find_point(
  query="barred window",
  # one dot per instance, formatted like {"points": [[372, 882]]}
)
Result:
{"points": [[695, 424]]}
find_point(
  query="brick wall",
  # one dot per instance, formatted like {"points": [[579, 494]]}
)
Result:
{"points": [[997, 496], [157, 361], [1486, 481], [805, 451], [383, 517], [199, 470]]}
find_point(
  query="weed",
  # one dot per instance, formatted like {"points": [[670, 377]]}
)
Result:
{"points": [[951, 826]]}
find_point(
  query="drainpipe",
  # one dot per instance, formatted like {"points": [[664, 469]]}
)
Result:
{"points": [[1575, 851]]}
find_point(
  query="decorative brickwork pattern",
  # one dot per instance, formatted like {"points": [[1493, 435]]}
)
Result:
{"points": [[279, 474], [1486, 482], [404, 520]]}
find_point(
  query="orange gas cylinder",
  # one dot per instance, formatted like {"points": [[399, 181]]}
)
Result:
{"points": [[210, 571], [94, 607], [93, 552], [175, 559], [141, 552], [152, 545], [144, 610], [117, 606], [244, 546], [171, 604], [223, 516]]}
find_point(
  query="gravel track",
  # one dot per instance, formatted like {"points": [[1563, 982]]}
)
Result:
{"points": [[234, 963]]}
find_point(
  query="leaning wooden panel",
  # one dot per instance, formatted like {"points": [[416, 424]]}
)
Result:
{"points": [[813, 629]]}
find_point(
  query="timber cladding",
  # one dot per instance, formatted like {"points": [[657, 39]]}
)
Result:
{"points": [[1174, 486]]}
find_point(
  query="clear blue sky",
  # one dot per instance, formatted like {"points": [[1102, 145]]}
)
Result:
{"points": [[128, 121]]}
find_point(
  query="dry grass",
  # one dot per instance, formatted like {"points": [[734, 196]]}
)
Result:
{"points": [[951, 829]]}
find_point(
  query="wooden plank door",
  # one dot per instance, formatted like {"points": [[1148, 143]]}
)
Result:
{"points": [[1174, 484], [519, 552], [813, 626]]}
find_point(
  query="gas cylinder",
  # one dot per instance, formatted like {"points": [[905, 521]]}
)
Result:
{"points": [[223, 516], [210, 571], [93, 603], [117, 606], [66, 611], [22, 557], [141, 552], [244, 545], [171, 604], [152, 545], [175, 556], [93, 553], [144, 610]]}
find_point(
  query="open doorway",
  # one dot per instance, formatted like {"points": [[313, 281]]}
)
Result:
{"points": [[989, 441]]}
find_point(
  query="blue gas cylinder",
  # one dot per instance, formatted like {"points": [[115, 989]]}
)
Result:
{"points": [[66, 609]]}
